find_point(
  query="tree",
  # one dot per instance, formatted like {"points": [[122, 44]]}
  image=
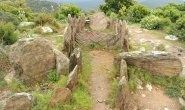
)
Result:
{"points": [[115, 5], [70, 9], [137, 12]]}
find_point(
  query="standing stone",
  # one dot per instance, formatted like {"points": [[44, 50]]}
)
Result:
{"points": [[98, 21], [79, 59], [123, 69], [72, 79], [19, 101], [122, 92], [155, 62], [62, 63], [60, 96], [124, 36], [31, 60]]}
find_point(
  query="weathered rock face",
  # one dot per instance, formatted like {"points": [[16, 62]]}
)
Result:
{"points": [[62, 63], [122, 92], [19, 101], [59, 97], [155, 62], [31, 60], [123, 69], [73, 79], [98, 21]]}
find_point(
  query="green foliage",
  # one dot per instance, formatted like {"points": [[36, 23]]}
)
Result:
{"points": [[7, 35], [182, 108], [154, 22], [42, 99], [61, 82], [8, 17], [2, 81], [136, 12], [178, 29], [17, 87], [172, 93], [38, 6], [174, 86], [170, 11], [150, 22], [115, 5], [42, 19], [17, 8], [70, 9], [53, 76]]}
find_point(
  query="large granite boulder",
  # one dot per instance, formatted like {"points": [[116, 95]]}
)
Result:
{"points": [[19, 101], [59, 97], [155, 62], [98, 21], [31, 60]]}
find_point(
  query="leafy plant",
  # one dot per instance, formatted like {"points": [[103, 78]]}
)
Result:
{"points": [[53, 76], [136, 12], [70, 9], [17, 87], [150, 22], [178, 29], [7, 35]]}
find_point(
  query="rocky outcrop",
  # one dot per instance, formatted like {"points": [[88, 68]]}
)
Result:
{"points": [[62, 63], [122, 93], [31, 60], [19, 101], [60, 96], [98, 21], [155, 62], [72, 79]]}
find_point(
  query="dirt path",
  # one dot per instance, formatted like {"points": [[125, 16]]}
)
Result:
{"points": [[156, 99], [99, 83]]}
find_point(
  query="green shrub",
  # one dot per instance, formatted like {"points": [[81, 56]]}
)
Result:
{"points": [[42, 19], [7, 35], [178, 29], [136, 13], [70, 9], [53, 76], [8, 17], [150, 22]]}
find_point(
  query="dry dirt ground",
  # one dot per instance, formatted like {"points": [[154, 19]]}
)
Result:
{"points": [[99, 83]]}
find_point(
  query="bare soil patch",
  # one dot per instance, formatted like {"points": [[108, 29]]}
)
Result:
{"points": [[99, 81]]}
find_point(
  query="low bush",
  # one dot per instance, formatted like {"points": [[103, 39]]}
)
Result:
{"points": [[178, 29], [7, 35], [150, 22]]}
